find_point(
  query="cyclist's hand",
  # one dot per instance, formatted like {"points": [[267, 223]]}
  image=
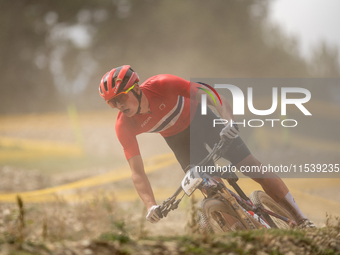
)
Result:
{"points": [[229, 132], [154, 214]]}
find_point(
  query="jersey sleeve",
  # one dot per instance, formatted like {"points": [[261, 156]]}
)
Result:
{"points": [[174, 84], [127, 138]]}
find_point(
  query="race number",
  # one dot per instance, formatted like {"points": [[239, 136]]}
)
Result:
{"points": [[191, 181]]}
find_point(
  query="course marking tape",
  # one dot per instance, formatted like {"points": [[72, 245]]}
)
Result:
{"points": [[152, 164]]}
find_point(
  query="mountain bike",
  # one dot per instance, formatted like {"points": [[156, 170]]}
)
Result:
{"points": [[223, 210]]}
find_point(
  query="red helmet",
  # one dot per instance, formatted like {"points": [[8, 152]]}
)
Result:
{"points": [[116, 81]]}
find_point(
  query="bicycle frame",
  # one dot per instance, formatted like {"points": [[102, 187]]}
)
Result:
{"points": [[210, 184], [259, 210]]}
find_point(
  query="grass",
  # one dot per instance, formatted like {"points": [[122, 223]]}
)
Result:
{"points": [[37, 229], [54, 228], [59, 220], [121, 238], [272, 241]]}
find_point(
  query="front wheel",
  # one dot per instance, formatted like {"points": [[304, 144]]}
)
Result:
{"points": [[259, 198], [218, 217]]}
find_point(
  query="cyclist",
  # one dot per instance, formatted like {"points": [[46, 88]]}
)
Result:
{"points": [[162, 104]]}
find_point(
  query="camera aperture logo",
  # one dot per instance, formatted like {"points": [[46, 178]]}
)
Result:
{"points": [[239, 103], [208, 92], [204, 97]]}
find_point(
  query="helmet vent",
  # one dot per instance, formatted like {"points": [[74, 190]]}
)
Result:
{"points": [[114, 79], [105, 82]]}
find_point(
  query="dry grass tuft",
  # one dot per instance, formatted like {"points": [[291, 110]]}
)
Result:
{"points": [[61, 220]]}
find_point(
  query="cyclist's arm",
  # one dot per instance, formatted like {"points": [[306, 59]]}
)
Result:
{"points": [[225, 111], [141, 181]]}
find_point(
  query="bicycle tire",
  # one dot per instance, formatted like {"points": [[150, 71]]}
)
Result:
{"points": [[260, 198], [204, 226], [218, 213]]}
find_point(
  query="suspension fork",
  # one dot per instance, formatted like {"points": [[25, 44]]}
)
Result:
{"points": [[243, 216]]}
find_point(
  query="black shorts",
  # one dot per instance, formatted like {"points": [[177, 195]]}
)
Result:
{"points": [[189, 146]]}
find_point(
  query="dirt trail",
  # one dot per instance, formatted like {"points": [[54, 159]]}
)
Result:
{"points": [[314, 196]]}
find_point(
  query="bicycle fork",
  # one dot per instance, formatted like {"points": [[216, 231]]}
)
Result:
{"points": [[244, 217]]}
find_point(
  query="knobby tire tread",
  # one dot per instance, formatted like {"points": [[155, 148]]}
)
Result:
{"points": [[211, 205], [260, 198]]}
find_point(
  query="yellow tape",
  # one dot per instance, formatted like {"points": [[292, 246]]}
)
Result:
{"points": [[40, 146], [10, 156], [152, 164]]}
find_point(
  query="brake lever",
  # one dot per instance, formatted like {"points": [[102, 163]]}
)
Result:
{"points": [[165, 212], [170, 206], [165, 208], [223, 146], [175, 204]]}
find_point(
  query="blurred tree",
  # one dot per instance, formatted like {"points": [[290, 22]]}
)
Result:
{"points": [[55, 52], [325, 61]]}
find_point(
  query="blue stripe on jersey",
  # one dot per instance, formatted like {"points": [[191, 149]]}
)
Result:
{"points": [[173, 115]]}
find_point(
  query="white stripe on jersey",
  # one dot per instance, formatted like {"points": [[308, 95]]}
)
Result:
{"points": [[170, 118]]}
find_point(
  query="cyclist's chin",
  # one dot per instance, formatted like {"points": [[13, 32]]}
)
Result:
{"points": [[128, 112]]}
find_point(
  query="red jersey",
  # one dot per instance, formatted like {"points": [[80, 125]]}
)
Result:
{"points": [[170, 104]]}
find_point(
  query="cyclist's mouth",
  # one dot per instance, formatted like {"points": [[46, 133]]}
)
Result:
{"points": [[126, 111]]}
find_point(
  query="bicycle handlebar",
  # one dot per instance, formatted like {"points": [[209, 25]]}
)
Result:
{"points": [[171, 203]]}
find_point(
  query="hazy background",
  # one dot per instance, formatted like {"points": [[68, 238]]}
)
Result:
{"points": [[55, 129], [54, 53], [311, 21]]}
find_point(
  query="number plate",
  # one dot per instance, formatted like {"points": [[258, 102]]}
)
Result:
{"points": [[191, 181]]}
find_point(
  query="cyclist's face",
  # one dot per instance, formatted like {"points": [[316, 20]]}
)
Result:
{"points": [[126, 103]]}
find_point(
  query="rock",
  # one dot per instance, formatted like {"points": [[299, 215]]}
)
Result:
{"points": [[261, 253], [86, 243], [88, 252], [171, 246], [248, 247], [6, 212]]}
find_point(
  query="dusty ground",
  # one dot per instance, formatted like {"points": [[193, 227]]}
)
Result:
{"points": [[103, 154]]}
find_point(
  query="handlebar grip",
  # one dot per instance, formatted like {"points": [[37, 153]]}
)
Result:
{"points": [[224, 138]]}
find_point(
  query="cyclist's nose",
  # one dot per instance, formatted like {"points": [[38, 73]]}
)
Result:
{"points": [[119, 105]]}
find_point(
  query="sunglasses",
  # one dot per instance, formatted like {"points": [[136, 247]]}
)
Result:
{"points": [[120, 98]]}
